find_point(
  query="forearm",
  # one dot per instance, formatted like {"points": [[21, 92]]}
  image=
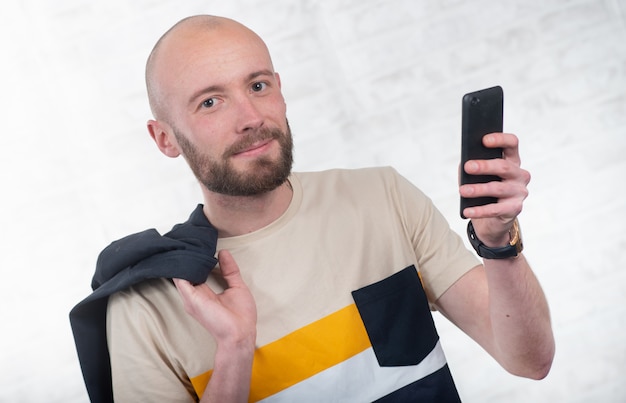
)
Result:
{"points": [[520, 319], [230, 381]]}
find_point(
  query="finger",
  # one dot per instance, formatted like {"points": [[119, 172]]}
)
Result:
{"points": [[502, 168], [500, 140], [497, 189], [194, 297], [183, 286], [507, 141], [185, 290], [488, 210], [510, 196], [486, 167], [505, 209], [230, 269], [188, 290]]}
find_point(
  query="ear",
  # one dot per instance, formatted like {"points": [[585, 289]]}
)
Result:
{"points": [[278, 79], [280, 87], [163, 136]]}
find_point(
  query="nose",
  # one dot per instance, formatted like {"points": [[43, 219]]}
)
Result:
{"points": [[249, 116]]}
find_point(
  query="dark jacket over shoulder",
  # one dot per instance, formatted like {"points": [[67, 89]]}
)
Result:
{"points": [[187, 252]]}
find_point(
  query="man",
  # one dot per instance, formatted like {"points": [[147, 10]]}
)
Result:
{"points": [[325, 279]]}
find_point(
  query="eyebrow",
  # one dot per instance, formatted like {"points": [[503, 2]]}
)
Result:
{"points": [[219, 88]]}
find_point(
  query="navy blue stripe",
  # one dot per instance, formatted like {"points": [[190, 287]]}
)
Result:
{"points": [[437, 387]]}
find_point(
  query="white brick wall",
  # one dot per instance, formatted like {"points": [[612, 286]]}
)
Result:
{"points": [[367, 82]]}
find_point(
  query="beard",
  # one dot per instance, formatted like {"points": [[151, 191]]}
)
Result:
{"points": [[263, 175]]}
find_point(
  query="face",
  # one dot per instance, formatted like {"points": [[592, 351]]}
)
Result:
{"points": [[225, 109], [264, 174]]}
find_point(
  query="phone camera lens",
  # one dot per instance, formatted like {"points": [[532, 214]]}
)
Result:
{"points": [[475, 100]]}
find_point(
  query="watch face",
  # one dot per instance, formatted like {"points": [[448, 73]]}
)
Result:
{"points": [[516, 237]]}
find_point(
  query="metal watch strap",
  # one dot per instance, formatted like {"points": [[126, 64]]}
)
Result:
{"points": [[504, 252]]}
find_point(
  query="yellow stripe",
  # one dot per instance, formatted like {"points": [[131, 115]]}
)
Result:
{"points": [[303, 353]]}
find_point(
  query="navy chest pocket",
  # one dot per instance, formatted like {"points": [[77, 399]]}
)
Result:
{"points": [[397, 318]]}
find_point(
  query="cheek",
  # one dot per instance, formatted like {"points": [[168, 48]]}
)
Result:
{"points": [[209, 133], [282, 103], [277, 109]]}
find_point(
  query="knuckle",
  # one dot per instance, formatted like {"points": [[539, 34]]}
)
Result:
{"points": [[514, 140], [526, 175], [505, 167], [522, 191], [517, 207]]}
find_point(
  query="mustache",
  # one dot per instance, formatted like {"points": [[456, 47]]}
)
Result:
{"points": [[258, 135]]}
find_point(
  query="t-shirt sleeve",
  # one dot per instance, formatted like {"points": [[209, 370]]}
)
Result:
{"points": [[141, 365], [440, 252]]}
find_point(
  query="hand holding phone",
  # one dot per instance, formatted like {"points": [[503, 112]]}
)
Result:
{"points": [[482, 114]]}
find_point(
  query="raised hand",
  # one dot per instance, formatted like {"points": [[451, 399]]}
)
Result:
{"points": [[228, 315], [493, 221]]}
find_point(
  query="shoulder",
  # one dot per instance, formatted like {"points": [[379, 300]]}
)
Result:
{"points": [[138, 315], [154, 297], [148, 337]]}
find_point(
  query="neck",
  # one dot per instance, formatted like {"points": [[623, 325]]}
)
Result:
{"points": [[239, 215]]}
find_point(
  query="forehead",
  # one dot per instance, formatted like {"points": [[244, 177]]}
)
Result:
{"points": [[197, 56]]}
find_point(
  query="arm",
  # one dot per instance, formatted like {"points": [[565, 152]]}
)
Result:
{"points": [[230, 317], [500, 304]]}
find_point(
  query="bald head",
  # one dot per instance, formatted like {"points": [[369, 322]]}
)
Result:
{"points": [[180, 41]]}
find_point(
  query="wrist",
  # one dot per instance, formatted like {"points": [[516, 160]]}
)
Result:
{"points": [[234, 357], [513, 246], [241, 344], [496, 241]]}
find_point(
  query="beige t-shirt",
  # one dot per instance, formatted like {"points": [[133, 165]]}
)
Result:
{"points": [[343, 230]]}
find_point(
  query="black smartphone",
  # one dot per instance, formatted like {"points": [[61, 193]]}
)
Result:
{"points": [[482, 114]]}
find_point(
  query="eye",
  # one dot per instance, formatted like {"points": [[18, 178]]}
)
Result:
{"points": [[258, 87], [208, 103]]}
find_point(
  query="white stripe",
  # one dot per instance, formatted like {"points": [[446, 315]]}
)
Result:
{"points": [[360, 378]]}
